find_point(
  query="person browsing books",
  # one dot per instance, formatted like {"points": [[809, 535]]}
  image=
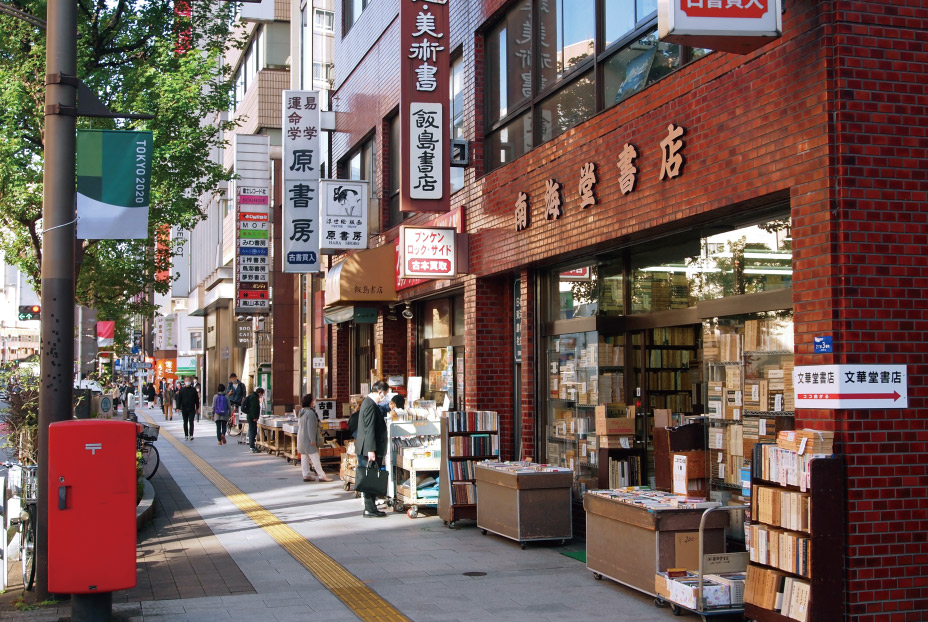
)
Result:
{"points": [[308, 439], [371, 442]]}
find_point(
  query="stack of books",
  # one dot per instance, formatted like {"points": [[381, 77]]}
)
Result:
{"points": [[807, 441]]}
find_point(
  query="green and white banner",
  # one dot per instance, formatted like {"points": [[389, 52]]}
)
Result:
{"points": [[113, 184]]}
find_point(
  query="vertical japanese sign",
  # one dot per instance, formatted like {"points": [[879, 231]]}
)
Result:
{"points": [[343, 215], [424, 73], [301, 155], [180, 265], [252, 210], [427, 252]]}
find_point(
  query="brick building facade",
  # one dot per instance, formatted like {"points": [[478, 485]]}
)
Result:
{"points": [[826, 126]]}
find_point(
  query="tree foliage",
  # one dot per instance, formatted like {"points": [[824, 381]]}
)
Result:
{"points": [[128, 54]]}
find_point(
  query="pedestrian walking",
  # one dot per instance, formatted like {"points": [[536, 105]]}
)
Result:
{"points": [[308, 440], [371, 442], [168, 399], [196, 385], [221, 413], [252, 409], [150, 394], [189, 401]]}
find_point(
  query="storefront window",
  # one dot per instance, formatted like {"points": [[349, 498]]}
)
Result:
{"points": [[577, 292], [748, 260], [443, 329], [437, 318]]}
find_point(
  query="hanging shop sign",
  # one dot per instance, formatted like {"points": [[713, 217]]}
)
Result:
{"points": [[737, 26], [557, 197], [186, 366], [113, 184], [253, 213], [453, 219], [343, 215], [301, 158], [427, 252], [424, 73], [851, 386], [244, 334], [180, 281]]}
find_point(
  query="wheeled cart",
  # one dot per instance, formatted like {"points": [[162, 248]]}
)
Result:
{"points": [[525, 506], [709, 564], [409, 457]]}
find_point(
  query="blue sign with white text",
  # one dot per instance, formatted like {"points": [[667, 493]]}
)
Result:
{"points": [[822, 344]]}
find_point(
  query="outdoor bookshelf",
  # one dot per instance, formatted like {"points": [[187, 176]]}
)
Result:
{"points": [[823, 567], [466, 439]]}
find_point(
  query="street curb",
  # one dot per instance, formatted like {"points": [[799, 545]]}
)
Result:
{"points": [[146, 507]]}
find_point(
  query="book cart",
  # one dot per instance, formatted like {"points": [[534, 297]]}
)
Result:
{"points": [[466, 439], [810, 512], [681, 595], [411, 454]]}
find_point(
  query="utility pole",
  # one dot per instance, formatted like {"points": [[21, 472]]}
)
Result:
{"points": [[58, 219]]}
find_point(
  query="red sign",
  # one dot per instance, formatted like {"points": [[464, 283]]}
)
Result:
{"points": [[244, 294], [749, 9], [252, 217], [424, 127]]}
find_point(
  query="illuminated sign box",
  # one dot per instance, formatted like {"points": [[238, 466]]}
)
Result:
{"points": [[427, 252], [737, 26]]}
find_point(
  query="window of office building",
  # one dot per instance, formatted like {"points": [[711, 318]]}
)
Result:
{"points": [[324, 20], [457, 117], [548, 70], [352, 12], [394, 170], [196, 340]]}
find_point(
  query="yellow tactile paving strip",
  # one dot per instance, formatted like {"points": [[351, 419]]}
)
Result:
{"points": [[357, 596]]}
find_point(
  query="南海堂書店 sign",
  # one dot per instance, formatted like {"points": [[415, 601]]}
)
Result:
{"points": [[851, 386]]}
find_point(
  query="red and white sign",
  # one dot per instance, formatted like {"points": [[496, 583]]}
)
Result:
{"points": [[577, 274], [453, 219], [424, 74], [851, 386], [738, 26], [427, 252]]}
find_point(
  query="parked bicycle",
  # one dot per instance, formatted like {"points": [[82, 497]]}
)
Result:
{"points": [[149, 458], [24, 483]]}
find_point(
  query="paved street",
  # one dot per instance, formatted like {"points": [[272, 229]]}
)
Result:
{"points": [[203, 558]]}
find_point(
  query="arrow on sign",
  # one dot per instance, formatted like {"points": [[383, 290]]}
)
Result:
{"points": [[850, 396]]}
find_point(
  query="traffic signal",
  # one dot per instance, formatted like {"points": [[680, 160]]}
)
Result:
{"points": [[29, 312]]}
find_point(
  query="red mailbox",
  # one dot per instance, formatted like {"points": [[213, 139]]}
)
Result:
{"points": [[91, 506]]}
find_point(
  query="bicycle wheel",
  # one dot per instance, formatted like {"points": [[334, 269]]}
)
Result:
{"points": [[28, 549], [234, 427], [151, 459]]}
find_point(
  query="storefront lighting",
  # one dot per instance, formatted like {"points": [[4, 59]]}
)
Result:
{"points": [[407, 313]]}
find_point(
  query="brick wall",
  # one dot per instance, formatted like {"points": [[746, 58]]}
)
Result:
{"points": [[875, 279]]}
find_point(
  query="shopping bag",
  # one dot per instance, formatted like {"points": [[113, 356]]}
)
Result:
{"points": [[371, 480]]}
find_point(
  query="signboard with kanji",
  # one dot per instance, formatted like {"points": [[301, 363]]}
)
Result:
{"points": [[343, 215], [738, 26], [326, 409], [851, 386], [427, 252], [424, 73], [301, 159], [252, 208]]}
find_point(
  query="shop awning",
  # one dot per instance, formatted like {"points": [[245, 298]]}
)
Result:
{"points": [[358, 315], [364, 277]]}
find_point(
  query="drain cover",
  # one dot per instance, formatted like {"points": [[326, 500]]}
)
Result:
{"points": [[475, 574]]}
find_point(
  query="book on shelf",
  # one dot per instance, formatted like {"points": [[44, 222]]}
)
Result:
{"points": [[473, 421], [786, 550], [473, 445], [782, 508], [463, 493], [786, 467], [807, 441], [625, 472]]}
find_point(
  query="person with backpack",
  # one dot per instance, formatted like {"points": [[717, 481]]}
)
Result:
{"points": [[252, 409], [221, 413]]}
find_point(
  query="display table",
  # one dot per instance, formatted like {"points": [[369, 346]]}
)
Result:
{"points": [[524, 505], [630, 544]]}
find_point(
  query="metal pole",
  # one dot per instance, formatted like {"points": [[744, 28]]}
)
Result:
{"points": [[58, 213]]}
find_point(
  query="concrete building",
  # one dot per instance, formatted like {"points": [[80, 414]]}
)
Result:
{"points": [[18, 338]]}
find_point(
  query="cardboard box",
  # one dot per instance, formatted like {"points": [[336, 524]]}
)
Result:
{"points": [[663, 417], [610, 427]]}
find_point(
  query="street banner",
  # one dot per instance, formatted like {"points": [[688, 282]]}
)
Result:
{"points": [[106, 333], [113, 184], [301, 159], [343, 215]]}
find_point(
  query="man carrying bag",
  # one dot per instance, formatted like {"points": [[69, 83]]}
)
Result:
{"points": [[371, 447]]}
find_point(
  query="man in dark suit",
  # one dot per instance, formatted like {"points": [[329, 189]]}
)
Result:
{"points": [[371, 442]]}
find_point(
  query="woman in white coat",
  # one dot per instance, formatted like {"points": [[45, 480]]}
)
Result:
{"points": [[307, 436]]}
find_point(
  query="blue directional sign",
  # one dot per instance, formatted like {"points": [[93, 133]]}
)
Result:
{"points": [[822, 344]]}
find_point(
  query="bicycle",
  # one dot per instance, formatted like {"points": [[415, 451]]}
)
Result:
{"points": [[235, 422], [149, 457], [24, 483]]}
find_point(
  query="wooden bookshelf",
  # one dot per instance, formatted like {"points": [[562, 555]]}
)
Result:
{"points": [[450, 509], [826, 540]]}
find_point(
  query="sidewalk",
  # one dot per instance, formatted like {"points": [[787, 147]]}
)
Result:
{"points": [[204, 558]]}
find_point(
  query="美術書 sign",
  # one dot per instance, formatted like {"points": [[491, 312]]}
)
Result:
{"points": [[851, 386]]}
